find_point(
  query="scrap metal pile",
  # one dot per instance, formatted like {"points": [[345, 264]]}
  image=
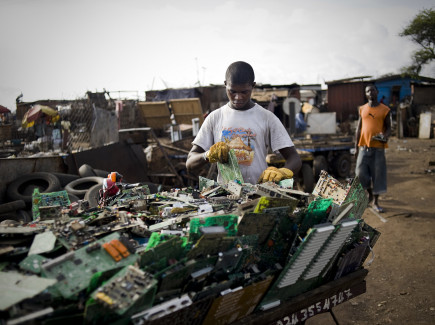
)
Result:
{"points": [[187, 256]]}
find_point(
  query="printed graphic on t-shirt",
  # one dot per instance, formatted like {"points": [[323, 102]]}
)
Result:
{"points": [[242, 141]]}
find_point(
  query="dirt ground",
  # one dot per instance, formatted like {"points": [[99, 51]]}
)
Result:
{"points": [[401, 279]]}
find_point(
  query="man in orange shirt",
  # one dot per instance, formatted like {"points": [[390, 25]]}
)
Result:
{"points": [[372, 133]]}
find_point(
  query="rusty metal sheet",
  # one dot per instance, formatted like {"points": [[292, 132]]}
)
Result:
{"points": [[186, 109], [266, 95], [154, 114]]}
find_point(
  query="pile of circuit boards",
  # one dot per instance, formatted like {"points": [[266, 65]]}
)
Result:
{"points": [[210, 255]]}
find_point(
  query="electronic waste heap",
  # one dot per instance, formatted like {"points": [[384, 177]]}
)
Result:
{"points": [[174, 257]]}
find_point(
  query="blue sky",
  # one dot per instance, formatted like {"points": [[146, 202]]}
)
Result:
{"points": [[59, 49]]}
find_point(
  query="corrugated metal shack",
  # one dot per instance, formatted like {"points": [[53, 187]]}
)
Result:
{"points": [[424, 93], [396, 88], [345, 95]]}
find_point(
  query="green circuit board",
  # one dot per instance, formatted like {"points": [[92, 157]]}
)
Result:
{"points": [[74, 270], [55, 200], [157, 257], [229, 222], [33, 263], [230, 171], [126, 289]]}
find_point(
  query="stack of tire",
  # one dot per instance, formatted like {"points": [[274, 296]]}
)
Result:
{"points": [[19, 192]]}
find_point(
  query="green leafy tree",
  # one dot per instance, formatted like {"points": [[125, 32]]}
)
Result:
{"points": [[422, 31]]}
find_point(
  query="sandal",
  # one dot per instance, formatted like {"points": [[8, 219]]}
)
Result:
{"points": [[378, 208]]}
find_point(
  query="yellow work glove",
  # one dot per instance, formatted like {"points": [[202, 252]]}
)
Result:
{"points": [[286, 173], [218, 153], [273, 174]]}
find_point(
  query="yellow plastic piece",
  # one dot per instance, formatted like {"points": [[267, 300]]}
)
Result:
{"points": [[103, 297]]}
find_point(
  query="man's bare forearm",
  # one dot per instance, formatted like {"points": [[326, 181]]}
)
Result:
{"points": [[195, 160], [292, 159]]}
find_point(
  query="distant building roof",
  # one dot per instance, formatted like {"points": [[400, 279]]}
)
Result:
{"points": [[268, 86], [399, 76], [347, 80], [380, 79]]}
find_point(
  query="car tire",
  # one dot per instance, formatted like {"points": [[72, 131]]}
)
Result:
{"points": [[320, 163], [86, 170], [73, 198], [22, 188], [342, 165], [92, 195], [64, 179], [80, 186], [19, 215], [101, 173], [12, 206]]}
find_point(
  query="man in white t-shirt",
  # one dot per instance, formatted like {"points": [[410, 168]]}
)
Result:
{"points": [[247, 128]]}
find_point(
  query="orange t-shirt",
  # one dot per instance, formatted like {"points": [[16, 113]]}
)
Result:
{"points": [[372, 123]]}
